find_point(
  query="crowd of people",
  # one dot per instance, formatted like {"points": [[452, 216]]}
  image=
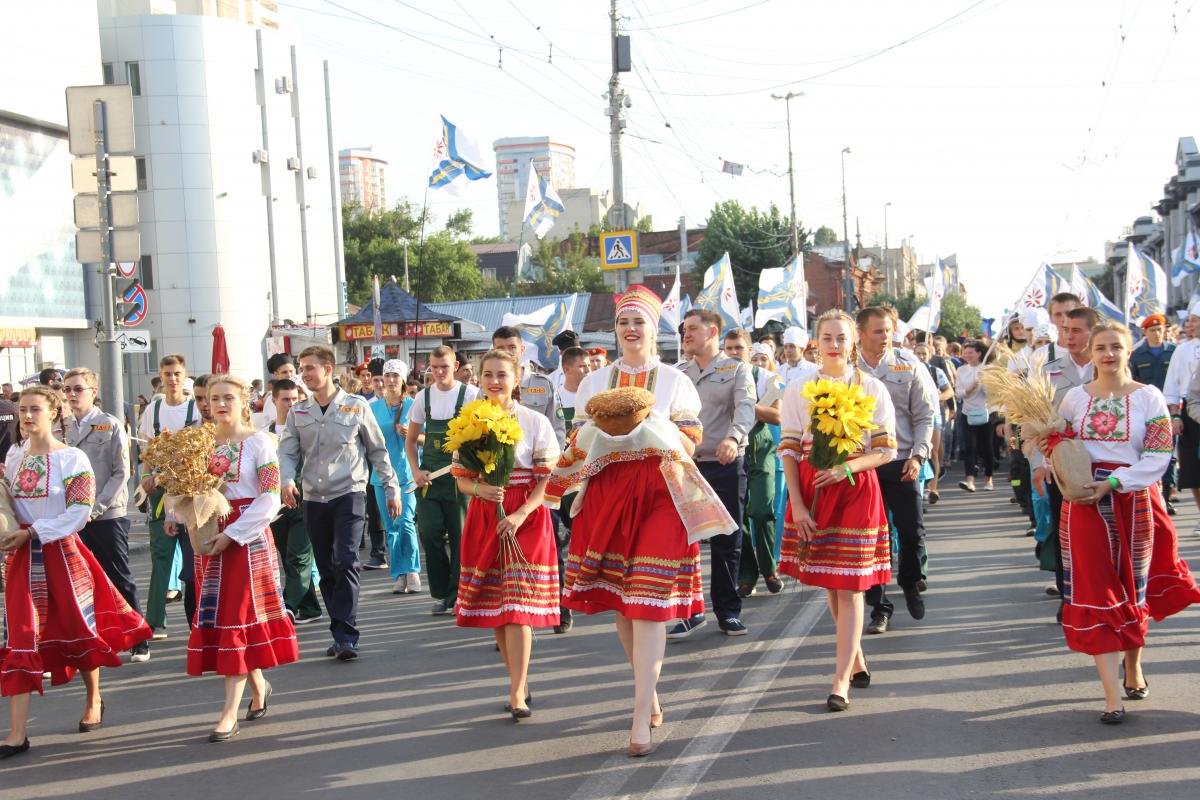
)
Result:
{"points": [[328, 474]]}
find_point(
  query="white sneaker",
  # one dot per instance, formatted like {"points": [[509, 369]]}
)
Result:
{"points": [[401, 585], [414, 583]]}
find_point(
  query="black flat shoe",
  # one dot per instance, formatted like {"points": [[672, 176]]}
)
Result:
{"points": [[519, 714], [528, 699], [217, 736], [252, 713], [88, 727], [1138, 693], [860, 680], [1113, 717], [9, 750], [835, 702]]}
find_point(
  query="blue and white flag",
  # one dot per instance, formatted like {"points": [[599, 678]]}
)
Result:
{"points": [[1145, 286], [543, 206], [672, 310], [937, 290], [783, 295], [538, 329], [719, 293], [1185, 259], [456, 154], [1045, 284], [1094, 298]]}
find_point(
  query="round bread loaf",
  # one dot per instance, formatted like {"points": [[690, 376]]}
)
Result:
{"points": [[618, 411]]}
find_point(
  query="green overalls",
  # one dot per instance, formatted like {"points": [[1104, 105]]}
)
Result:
{"points": [[441, 508], [758, 544], [162, 547]]}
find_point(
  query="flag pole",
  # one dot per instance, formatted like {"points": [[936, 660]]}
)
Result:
{"points": [[421, 267]]}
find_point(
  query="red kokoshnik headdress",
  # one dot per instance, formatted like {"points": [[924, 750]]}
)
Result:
{"points": [[639, 298]]}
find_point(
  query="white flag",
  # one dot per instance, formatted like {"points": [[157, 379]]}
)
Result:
{"points": [[669, 318]]}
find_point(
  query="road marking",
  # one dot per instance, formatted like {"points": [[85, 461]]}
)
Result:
{"points": [[610, 777], [690, 766]]}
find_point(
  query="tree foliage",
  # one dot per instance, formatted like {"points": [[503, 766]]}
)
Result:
{"points": [[958, 318], [824, 235], [564, 267], [440, 268], [755, 240]]}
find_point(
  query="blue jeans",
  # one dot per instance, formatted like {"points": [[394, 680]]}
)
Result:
{"points": [[404, 552]]}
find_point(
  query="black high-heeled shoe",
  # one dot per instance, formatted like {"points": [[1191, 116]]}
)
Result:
{"points": [[88, 727], [1113, 717], [835, 702], [253, 713], [519, 714], [216, 737], [9, 750], [528, 700], [860, 680]]}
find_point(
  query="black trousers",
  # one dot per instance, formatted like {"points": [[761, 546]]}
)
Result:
{"points": [[978, 446], [1056, 501], [375, 524], [335, 529], [108, 539], [1018, 476], [729, 482], [902, 500]]}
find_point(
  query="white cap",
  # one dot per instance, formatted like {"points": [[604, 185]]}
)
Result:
{"points": [[188, 385], [796, 336], [760, 349], [1194, 307], [397, 366], [1032, 317], [900, 332], [1045, 330]]}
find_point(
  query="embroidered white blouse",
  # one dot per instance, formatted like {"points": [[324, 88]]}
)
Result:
{"points": [[675, 394], [1133, 430], [53, 493], [796, 424], [250, 469]]}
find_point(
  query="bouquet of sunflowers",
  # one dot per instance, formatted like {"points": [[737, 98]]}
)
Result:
{"points": [[484, 436], [841, 413], [193, 490]]}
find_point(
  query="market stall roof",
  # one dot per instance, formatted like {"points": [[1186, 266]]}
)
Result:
{"points": [[489, 312], [397, 305]]}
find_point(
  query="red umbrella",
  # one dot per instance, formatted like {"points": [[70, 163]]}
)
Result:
{"points": [[220, 353]]}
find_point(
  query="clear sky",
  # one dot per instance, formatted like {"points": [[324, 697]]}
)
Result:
{"points": [[1010, 132]]}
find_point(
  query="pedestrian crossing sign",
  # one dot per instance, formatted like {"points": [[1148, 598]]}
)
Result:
{"points": [[618, 250]]}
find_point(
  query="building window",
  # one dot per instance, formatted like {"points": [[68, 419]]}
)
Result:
{"points": [[142, 183], [133, 73], [489, 273], [108, 73], [147, 272]]}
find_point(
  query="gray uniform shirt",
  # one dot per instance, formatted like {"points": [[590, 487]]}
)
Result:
{"points": [[336, 446], [905, 378], [538, 394], [104, 441], [727, 396]]}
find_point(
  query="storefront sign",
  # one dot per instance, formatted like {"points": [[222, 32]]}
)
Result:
{"points": [[18, 337], [391, 330]]}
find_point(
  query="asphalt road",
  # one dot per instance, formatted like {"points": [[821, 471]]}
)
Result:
{"points": [[981, 699]]}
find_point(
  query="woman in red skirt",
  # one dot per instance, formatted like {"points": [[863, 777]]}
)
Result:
{"points": [[836, 531], [61, 613], [630, 551], [241, 627], [510, 595], [1121, 565]]}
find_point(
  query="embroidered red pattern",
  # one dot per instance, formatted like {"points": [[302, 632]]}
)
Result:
{"points": [[268, 477], [81, 489]]}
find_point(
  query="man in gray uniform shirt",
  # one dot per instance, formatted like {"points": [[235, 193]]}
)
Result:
{"points": [[103, 439], [336, 434], [537, 391], [727, 397]]}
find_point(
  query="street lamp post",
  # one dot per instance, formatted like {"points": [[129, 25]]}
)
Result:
{"points": [[887, 258], [848, 280], [787, 99]]}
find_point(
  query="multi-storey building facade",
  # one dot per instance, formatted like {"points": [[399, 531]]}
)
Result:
{"points": [[363, 177]]}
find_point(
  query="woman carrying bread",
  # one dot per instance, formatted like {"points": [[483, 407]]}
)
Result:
{"points": [[836, 530], [1120, 557], [494, 591], [636, 425]]}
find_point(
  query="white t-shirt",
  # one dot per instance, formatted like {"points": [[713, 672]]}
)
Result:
{"points": [[440, 403], [170, 418]]}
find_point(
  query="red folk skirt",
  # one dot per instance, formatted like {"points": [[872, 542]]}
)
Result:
{"points": [[1170, 587], [240, 619], [61, 614], [629, 549], [500, 587], [851, 549]]}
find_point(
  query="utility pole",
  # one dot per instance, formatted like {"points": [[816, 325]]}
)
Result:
{"points": [[887, 259], [617, 100], [264, 163], [683, 259], [787, 98], [405, 243], [300, 198], [335, 204], [112, 386], [848, 280]]}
